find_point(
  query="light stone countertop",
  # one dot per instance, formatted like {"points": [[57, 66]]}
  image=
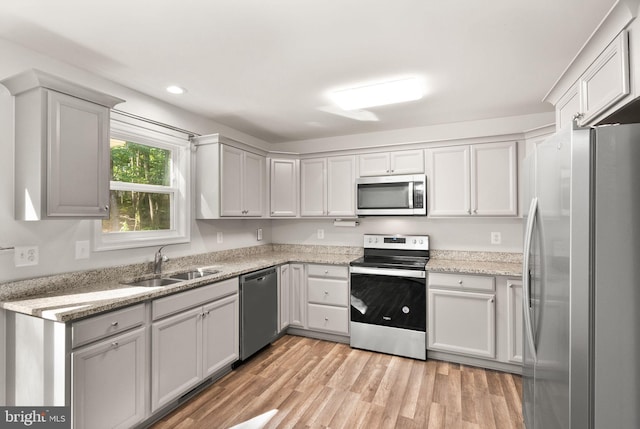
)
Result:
{"points": [[82, 299], [73, 296], [488, 263]]}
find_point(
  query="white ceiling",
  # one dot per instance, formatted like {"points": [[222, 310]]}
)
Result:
{"points": [[264, 66]]}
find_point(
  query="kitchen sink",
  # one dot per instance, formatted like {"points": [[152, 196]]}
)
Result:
{"points": [[195, 274], [154, 282]]}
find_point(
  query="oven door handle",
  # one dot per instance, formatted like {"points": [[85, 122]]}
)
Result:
{"points": [[417, 274]]}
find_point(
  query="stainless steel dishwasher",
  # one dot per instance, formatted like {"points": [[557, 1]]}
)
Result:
{"points": [[258, 310]]}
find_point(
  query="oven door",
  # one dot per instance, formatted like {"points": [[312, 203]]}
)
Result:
{"points": [[389, 297]]}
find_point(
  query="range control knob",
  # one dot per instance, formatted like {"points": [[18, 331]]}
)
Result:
{"points": [[414, 241], [420, 241]]}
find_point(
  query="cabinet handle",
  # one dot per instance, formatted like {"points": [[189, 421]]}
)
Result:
{"points": [[114, 324]]}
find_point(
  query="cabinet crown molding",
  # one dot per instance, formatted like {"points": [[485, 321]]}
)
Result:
{"points": [[34, 78]]}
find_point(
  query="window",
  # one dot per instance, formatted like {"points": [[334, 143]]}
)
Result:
{"points": [[149, 189]]}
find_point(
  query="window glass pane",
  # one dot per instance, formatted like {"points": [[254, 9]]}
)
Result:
{"points": [[138, 163], [138, 211]]}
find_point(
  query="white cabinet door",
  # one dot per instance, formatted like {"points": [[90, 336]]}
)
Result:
{"points": [[407, 162], [341, 179], [494, 179], [253, 188], [284, 187], [176, 356], [109, 382], [220, 333], [567, 108], [298, 312], [448, 175], [385, 163], [231, 181], [514, 321], [78, 159], [313, 187], [606, 80], [241, 183], [285, 296], [374, 164], [462, 322]]}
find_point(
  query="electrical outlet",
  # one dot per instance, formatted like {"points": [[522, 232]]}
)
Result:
{"points": [[321, 234], [82, 249], [259, 234], [496, 238], [220, 237], [26, 255]]}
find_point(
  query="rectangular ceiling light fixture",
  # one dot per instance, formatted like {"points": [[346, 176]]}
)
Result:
{"points": [[379, 94]]}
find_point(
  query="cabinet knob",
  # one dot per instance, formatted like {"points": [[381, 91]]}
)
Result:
{"points": [[475, 211], [491, 300], [469, 211], [114, 324], [578, 116], [326, 319], [459, 282], [106, 207], [326, 271], [115, 344], [326, 293]]}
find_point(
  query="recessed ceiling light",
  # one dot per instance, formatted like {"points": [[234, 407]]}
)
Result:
{"points": [[379, 94], [173, 89]]}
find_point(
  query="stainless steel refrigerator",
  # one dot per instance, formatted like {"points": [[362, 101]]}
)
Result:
{"points": [[581, 281]]}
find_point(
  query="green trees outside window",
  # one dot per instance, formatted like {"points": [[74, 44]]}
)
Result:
{"points": [[141, 196]]}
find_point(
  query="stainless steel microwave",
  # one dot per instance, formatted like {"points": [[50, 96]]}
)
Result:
{"points": [[392, 195]]}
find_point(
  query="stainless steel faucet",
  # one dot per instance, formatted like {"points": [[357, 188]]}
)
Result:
{"points": [[158, 260]]}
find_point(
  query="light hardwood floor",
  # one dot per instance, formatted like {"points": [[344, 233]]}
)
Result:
{"points": [[320, 384]]}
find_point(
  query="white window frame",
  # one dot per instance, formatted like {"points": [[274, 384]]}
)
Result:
{"points": [[179, 188]]}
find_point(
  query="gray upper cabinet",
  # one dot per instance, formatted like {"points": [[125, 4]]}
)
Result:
{"points": [[61, 148]]}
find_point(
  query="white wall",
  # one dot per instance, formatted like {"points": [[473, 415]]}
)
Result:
{"points": [[56, 238], [445, 234]]}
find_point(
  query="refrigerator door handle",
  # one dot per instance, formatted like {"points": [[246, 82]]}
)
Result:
{"points": [[526, 276]]}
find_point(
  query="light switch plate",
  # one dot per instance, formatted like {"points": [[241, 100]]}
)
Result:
{"points": [[82, 249]]}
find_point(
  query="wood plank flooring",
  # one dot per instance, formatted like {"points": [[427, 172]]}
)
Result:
{"points": [[320, 384]]}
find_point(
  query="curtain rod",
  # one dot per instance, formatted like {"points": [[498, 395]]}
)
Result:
{"points": [[190, 134]]}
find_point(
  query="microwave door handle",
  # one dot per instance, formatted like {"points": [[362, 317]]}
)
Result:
{"points": [[410, 195]]}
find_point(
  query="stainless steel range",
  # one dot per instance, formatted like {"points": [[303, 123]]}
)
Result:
{"points": [[389, 295]]}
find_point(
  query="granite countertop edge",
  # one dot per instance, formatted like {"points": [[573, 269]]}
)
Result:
{"points": [[84, 299]]}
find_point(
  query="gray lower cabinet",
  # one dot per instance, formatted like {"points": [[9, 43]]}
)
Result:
{"points": [[116, 369], [462, 322], [187, 346], [109, 382], [475, 318]]}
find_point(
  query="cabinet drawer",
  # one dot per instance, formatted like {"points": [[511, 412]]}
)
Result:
{"points": [[181, 301], [463, 281], [336, 271], [328, 291], [107, 324], [327, 318]]}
